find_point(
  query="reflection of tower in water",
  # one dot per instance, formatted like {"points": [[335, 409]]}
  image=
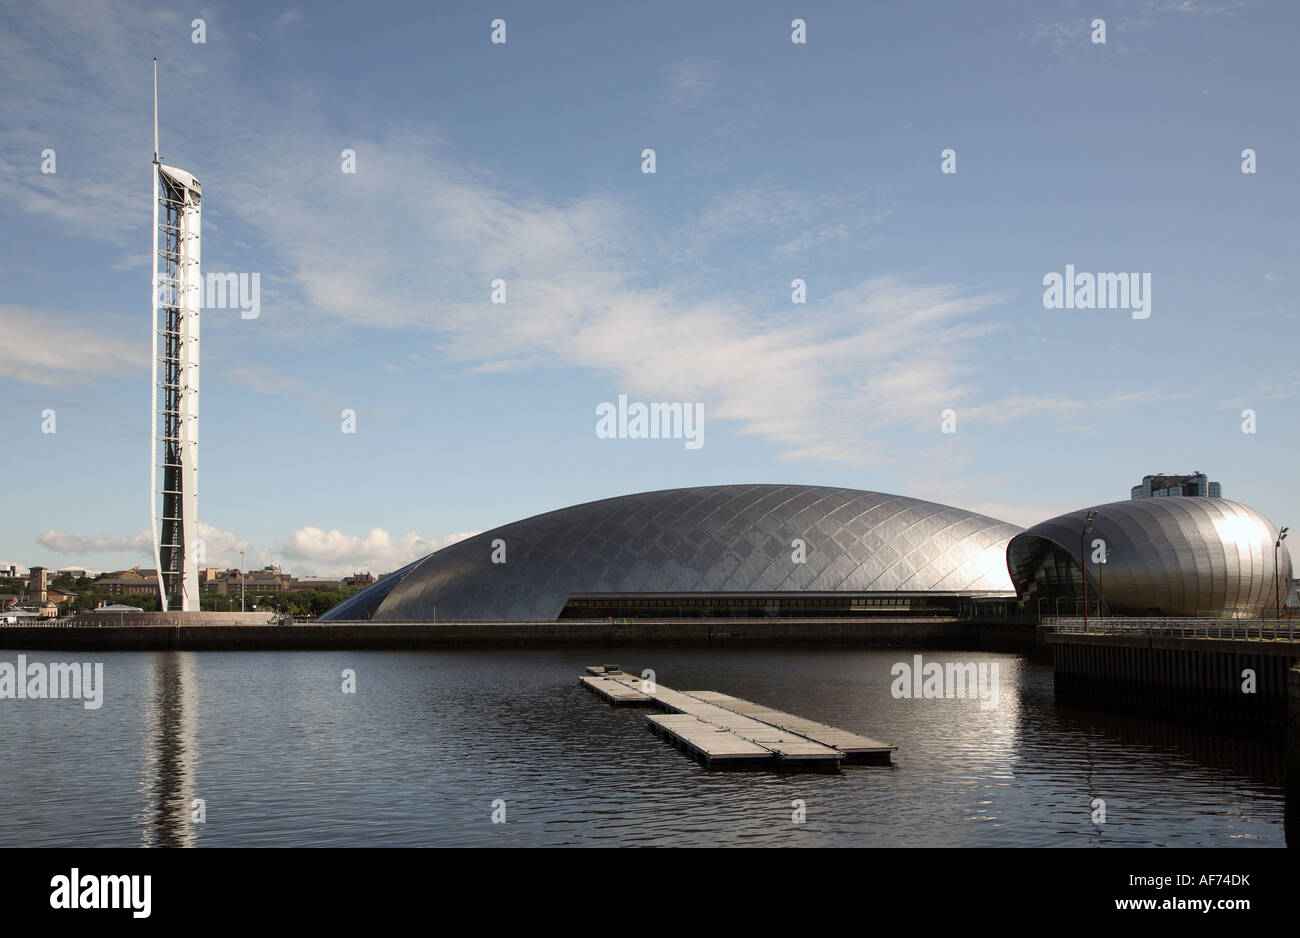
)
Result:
{"points": [[171, 752], [1291, 817]]}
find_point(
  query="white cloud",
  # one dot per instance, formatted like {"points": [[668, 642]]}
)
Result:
{"points": [[1074, 34], [220, 548], [1059, 35], [1269, 388], [140, 262], [264, 380], [1197, 6], [1016, 407], [45, 347], [426, 233], [61, 543], [774, 211], [309, 551], [287, 18], [812, 380], [809, 380], [335, 553], [690, 81]]}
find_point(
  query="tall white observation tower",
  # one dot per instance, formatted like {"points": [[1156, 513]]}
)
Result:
{"points": [[177, 297]]}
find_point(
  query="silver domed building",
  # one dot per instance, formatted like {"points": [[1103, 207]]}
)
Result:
{"points": [[1189, 556], [727, 550]]}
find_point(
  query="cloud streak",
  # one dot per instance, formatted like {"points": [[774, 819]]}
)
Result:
{"points": [[51, 349], [690, 81], [308, 551], [412, 241]]}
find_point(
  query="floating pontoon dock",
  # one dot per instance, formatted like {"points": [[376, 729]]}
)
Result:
{"points": [[722, 728], [615, 692]]}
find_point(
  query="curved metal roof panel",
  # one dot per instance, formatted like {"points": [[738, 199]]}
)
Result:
{"points": [[710, 539], [1174, 556]]}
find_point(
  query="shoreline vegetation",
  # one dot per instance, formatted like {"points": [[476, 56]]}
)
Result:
{"points": [[296, 602]]}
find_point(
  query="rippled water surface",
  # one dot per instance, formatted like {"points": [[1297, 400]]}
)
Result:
{"points": [[430, 740]]}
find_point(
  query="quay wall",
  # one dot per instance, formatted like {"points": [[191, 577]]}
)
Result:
{"points": [[1197, 678], [197, 631]]}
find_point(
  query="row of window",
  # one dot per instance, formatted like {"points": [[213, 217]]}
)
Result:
{"points": [[757, 606]]}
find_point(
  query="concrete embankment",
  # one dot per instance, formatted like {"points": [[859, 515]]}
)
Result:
{"points": [[1217, 680], [234, 631]]}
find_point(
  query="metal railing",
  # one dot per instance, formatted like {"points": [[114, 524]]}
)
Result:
{"points": [[120, 619], [1242, 629]]}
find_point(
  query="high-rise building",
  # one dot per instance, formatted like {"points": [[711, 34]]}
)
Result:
{"points": [[177, 297], [1158, 486]]}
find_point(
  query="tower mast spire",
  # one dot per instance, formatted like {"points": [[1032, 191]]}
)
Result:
{"points": [[174, 440], [155, 109]]}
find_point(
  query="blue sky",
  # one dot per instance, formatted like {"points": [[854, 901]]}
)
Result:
{"points": [[775, 161]]}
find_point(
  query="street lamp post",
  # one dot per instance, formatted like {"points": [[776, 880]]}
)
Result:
{"points": [[241, 581], [1277, 585], [1101, 589], [1083, 561]]}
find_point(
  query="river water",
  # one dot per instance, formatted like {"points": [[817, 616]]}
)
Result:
{"points": [[432, 744]]}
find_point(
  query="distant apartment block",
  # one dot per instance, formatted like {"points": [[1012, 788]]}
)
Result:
{"points": [[316, 583], [133, 582], [225, 582], [140, 582], [1159, 486]]}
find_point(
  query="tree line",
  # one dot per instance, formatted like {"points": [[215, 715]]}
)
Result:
{"points": [[291, 602]]}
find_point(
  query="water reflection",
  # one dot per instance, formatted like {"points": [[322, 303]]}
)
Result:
{"points": [[170, 752], [432, 739], [1247, 757], [1291, 813]]}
